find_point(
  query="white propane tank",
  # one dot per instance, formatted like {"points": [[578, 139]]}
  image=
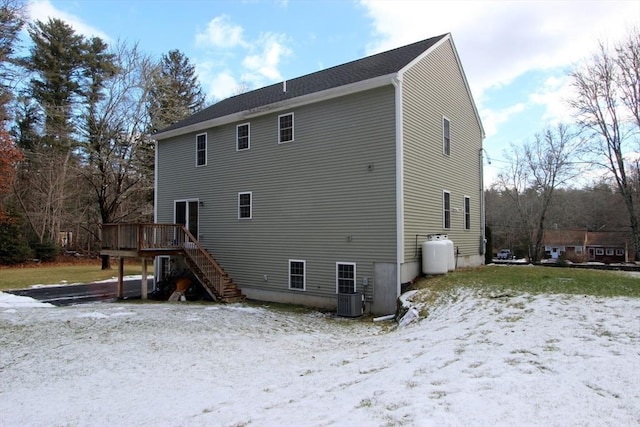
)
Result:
{"points": [[434, 255], [451, 253]]}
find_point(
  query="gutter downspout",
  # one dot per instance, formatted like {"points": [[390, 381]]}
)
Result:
{"points": [[483, 237], [397, 83]]}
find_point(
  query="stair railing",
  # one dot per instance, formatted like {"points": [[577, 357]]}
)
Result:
{"points": [[211, 271]]}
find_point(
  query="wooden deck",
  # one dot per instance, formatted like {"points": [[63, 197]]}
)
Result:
{"points": [[148, 240]]}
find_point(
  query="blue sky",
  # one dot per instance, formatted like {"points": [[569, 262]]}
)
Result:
{"points": [[516, 54]]}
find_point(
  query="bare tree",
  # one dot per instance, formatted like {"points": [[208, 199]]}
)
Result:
{"points": [[536, 170], [607, 107], [119, 161]]}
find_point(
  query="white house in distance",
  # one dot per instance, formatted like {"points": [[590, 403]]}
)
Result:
{"points": [[328, 183]]}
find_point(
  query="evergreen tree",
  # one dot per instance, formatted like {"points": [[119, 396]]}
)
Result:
{"points": [[11, 22], [57, 62], [175, 91]]}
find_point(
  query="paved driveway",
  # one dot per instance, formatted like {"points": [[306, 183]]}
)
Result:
{"points": [[81, 293]]}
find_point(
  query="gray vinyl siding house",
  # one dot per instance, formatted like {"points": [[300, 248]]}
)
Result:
{"points": [[332, 179]]}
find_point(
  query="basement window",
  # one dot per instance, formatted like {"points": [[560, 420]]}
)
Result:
{"points": [[297, 278], [345, 277]]}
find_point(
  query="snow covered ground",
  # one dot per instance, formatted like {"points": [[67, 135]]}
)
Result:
{"points": [[474, 361]]}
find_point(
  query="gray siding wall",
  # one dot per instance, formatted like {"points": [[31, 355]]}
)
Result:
{"points": [[434, 88], [326, 197]]}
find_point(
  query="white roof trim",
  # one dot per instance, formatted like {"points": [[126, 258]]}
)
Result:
{"points": [[280, 106]]}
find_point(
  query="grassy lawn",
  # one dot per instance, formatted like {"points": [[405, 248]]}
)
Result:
{"points": [[25, 277], [492, 280], [507, 280]]}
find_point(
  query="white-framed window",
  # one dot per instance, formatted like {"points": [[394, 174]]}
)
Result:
{"points": [[245, 206], [345, 277], [599, 251], [297, 274], [446, 209], [578, 250], [201, 149], [243, 137], [446, 136], [285, 128], [609, 251], [620, 252], [467, 213]]}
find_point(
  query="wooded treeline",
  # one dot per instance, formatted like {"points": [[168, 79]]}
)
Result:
{"points": [[549, 181], [76, 141]]}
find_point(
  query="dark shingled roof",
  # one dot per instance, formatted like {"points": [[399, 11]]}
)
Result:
{"points": [[370, 67]]}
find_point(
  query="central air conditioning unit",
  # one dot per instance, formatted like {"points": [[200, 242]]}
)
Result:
{"points": [[349, 305]]}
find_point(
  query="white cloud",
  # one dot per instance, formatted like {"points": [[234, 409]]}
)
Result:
{"points": [[492, 118], [222, 33], [554, 95], [263, 65], [218, 84], [262, 58], [501, 40], [42, 10]]}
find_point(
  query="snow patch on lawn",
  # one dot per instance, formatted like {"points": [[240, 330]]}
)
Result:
{"points": [[511, 361], [15, 301]]}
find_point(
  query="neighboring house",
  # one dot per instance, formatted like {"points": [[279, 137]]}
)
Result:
{"points": [[328, 183], [608, 246], [582, 245], [569, 242]]}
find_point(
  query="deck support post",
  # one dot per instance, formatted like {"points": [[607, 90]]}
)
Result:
{"points": [[120, 288], [143, 291]]}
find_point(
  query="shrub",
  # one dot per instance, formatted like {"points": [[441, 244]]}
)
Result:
{"points": [[45, 251], [14, 248]]}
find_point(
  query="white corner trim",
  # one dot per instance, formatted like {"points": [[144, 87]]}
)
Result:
{"points": [[397, 83], [155, 183]]}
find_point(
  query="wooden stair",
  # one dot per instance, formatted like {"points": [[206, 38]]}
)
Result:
{"points": [[213, 278]]}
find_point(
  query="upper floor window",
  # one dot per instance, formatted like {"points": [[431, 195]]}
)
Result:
{"points": [[201, 149], [467, 213], [244, 205], [296, 274], [446, 209], [345, 277], [446, 136], [285, 128], [242, 137]]}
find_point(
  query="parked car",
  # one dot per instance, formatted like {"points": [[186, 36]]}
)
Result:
{"points": [[505, 254]]}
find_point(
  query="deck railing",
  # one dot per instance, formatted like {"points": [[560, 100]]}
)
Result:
{"points": [[142, 236], [150, 237]]}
